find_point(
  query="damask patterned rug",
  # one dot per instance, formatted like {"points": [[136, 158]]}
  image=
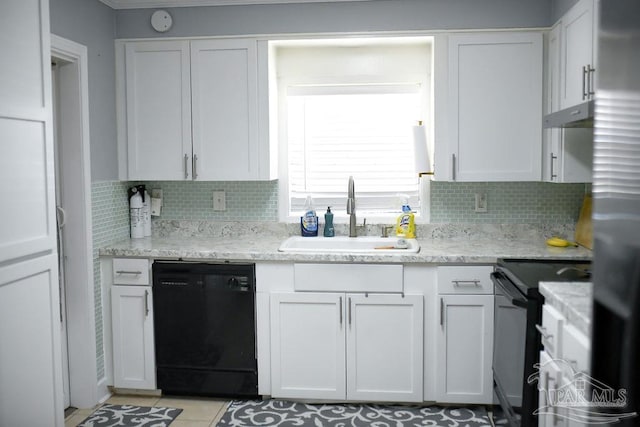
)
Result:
{"points": [[130, 416], [254, 413]]}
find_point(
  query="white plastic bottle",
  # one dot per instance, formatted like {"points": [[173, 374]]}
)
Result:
{"points": [[135, 214]]}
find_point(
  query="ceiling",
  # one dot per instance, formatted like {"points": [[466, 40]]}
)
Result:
{"points": [[152, 4]]}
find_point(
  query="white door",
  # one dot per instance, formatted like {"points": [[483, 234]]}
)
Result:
{"points": [[224, 76], [308, 346], [384, 348], [133, 345], [577, 52], [158, 105], [495, 107], [30, 355], [60, 224], [465, 349]]}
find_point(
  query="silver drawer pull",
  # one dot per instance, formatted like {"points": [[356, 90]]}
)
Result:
{"points": [[128, 272], [543, 332], [474, 282]]}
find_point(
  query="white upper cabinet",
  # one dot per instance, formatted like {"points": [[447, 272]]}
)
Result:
{"points": [[158, 110], [578, 54], [224, 78], [493, 106], [567, 153], [189, 110]]}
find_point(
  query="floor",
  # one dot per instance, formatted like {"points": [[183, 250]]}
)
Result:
{"points": [[196, 411]]}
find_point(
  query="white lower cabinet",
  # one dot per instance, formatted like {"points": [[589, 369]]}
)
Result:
{"points": [[347, 346], [465, 349], [134, 363], [133, 345], [548, 382]]}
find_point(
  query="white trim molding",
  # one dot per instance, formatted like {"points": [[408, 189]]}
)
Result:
{"points": [[151, 4], [81, 323]]}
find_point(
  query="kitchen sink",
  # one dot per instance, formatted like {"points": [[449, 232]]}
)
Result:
{"points": [[344, 244]]}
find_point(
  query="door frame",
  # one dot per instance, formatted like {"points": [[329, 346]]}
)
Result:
{"points": [[80, 299]]}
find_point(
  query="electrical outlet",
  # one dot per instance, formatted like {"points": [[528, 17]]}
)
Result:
{"points": [[219, 201], [481, 202]]}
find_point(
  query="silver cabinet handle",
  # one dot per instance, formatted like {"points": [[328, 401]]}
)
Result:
{"points": [[441, 311], [453, 167], [590, 86], [349, 311], [584, 82], [186, 170], [340, 311], [474, 282], [129, 272], [195, 164], [146, 303], [553, 175], [543, 332]]}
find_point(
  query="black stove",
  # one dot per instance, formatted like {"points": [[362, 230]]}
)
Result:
{"points": [[517, 344], [526, 274]]}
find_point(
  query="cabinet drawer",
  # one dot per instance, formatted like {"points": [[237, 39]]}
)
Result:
{"points": [[551, 331], [576, 348], [465, 280], [131, 271]]}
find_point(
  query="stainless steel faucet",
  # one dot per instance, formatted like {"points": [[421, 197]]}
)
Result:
{"points": [[351, 208]]}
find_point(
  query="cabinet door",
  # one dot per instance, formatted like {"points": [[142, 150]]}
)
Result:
{"points": [[224, 77], [308, 346], [158, 110], [133, 346], [465, 349], [548, 383], [577, 52], [495, 107], [384, 348]]}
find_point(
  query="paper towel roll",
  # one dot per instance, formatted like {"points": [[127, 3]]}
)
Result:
{"points": [[422, 157]]}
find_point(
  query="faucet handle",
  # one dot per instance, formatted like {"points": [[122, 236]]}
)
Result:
{"points": [[385, 230]]}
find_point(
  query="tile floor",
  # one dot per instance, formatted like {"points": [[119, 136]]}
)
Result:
{"points": [[196, 411]]}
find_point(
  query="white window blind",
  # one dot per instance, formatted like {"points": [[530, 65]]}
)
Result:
{"points": [[360, 130]]}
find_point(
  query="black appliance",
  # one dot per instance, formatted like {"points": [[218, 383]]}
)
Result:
{"points": [[517, 344], [616, 219], [204, 324]]}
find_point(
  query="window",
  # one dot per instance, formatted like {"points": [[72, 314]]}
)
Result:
{"points": [[351, 112]]}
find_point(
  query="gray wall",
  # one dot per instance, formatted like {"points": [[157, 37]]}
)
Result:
{"points": [[560, 7], [92, 23], [379, 15]]}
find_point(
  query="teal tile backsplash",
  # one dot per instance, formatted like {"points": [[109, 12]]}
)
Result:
{"points": [[245, 201], [507, 202], [110, 217]]}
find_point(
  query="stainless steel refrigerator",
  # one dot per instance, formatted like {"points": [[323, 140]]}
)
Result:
{"points": [[616, 190]]}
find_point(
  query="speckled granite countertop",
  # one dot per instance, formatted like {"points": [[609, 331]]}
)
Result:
{"points": [[572, 299], [265, 248]]}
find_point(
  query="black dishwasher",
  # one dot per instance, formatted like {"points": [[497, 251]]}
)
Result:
{"points": [[204, 325]]}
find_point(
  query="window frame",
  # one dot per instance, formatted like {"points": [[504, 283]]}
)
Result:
{"points": [[282, 85]]}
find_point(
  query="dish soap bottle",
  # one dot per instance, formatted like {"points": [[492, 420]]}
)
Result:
{"points": [[406, 225], [328, 223], [309, 222]]}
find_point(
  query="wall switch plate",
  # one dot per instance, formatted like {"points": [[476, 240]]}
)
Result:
{"points": [[481, 202], [219, 201]]}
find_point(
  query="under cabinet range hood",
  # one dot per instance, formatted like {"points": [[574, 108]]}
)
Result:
{"points": [[578, 116]]}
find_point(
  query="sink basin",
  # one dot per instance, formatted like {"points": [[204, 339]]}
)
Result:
{"points": [[343, 244]]}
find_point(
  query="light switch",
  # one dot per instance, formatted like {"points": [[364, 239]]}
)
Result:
{"points": [[481, 202], [219, 201]]}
